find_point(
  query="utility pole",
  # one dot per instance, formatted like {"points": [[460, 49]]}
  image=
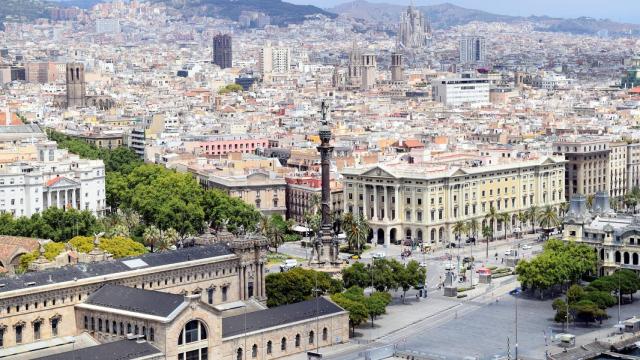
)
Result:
{"points": [[516, 348]]}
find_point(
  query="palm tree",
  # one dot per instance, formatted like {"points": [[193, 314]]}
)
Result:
{"points": [[315, 203], [549, 218], [168, 238], [564, 207], [590, 198], [472, 227], [459, 228], [522, 219], [275, 236], [504, 218], [487, 232], [151, 237], [263, 225], [532, 215], [631, 201], [357, 231], [493, 216], [118, 230]]}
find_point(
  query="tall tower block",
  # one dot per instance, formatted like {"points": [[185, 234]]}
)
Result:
{"points": [[76, 86], [397, 74]]}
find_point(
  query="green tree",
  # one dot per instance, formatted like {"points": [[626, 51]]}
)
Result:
{"points": [[532, 214], [459, 228], [548, 218], [588, 312], [487, 233], [356, 275], [51, 250], [297, 285], [230, 88], [119, 247], [358, 313], [575, 293], [356, 229], [408, 276], [504, 219], [376, 305], [472, 227]]}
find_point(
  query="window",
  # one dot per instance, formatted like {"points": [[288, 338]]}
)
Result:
{"points": [[325, 334], [210, 296], [297, 340], [2, 337], [99, 324], [193, 331], [269, 346], [93, 323], [19, 333], [86, 322], [121, 328], [114, 328], [254, 351], [54, 326], [36, 330], [151, 334], [311, 335], [283, 344], [128, 328], [224, 293], [239, 354]]}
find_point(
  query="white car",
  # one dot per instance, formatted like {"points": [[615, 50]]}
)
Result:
{"points": [[423, 264], [288, 265], [526, 247], [379, 255], [507, 252], [449, 266]]}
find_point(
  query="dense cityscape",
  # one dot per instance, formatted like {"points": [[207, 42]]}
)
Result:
{"points": [[238, 180]]}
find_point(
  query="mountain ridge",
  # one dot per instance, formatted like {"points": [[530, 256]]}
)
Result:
{"points": [[446, 15]]}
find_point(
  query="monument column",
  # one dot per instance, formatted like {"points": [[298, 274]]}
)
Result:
{"points": [[386, 203], [375, 202]]}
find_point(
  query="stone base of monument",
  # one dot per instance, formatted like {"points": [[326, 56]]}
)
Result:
{"points": [[511, 261], [450, 291], [484, 279]]}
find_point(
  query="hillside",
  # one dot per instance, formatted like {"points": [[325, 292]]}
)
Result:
{"points": [[447, 15], [23, 10], [281, 12]]}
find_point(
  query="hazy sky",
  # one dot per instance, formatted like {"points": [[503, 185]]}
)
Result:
{"points": [[619, 10]]}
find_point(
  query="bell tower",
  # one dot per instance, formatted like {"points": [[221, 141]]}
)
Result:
{"points": [[76, 86]]}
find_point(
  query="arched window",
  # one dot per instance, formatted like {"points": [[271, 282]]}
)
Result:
{"points": [[283, 344], [311, 336], [193, 331], [239, 354], [128, 328], [269, 347], [254, 351], [93, 323], [114, 328], [136, 330], [626, 257], [325, 334], [617, 255], [297, 340], [144, 332], [121, 328], [151, 335]]}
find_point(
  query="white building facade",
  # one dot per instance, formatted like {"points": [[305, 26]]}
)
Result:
{"points": [[461, 90], [56, 179]]}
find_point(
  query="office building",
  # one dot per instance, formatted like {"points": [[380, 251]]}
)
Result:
{"points": [[423, 202], [461, 90], [107, 26], [472, 50], [222, 51]]}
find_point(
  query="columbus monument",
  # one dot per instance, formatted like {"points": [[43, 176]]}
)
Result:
{"points": [[325, 247]]}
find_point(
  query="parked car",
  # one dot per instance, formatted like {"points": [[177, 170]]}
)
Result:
{"points": [[288, 265], [423, 264], [449, 266], [526, 247], [355, 257], [379, 255]]}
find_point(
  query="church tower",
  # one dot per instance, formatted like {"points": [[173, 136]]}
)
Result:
{"points": [[76, 86]]}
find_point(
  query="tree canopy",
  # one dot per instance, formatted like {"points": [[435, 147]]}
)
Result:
{"points": [[560, 262], [297, 285]]}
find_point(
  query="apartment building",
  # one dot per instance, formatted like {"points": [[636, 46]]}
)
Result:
{"points": [[423, 202], [588, 165]]}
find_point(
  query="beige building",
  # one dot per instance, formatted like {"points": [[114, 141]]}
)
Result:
{"points": [[633, 165], [184, 304], [588, 167], [424, 201], [618, 169], [264, 189]]}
